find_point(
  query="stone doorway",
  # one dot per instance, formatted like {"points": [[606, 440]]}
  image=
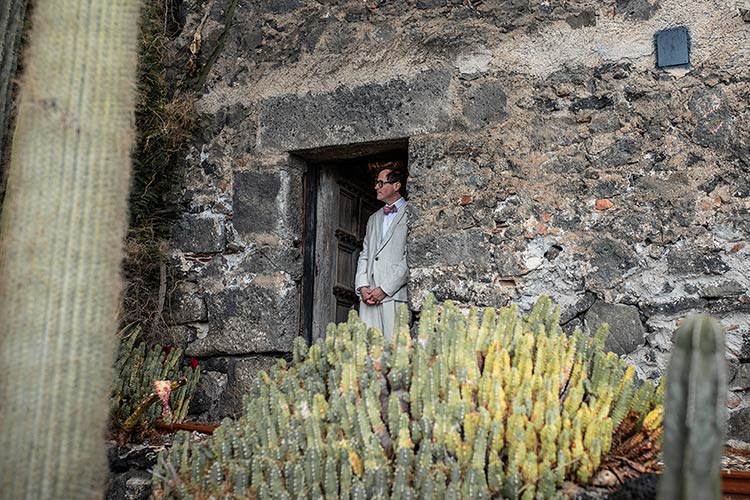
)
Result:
{"points": [[339, 199]]}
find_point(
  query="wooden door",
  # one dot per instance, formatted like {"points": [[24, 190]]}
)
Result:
{"points": [[353, 211], [345, 202]]}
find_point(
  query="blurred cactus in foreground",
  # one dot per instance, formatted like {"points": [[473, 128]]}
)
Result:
{"points": [[63, 220], [136, 369], [478, 406], [696, 412]]}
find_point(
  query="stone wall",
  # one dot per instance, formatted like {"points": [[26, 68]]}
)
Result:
{"points": [[547, 154]]}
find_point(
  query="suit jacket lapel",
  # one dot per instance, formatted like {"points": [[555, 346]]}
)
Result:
{"points": [[378, 231], [399, 215]]}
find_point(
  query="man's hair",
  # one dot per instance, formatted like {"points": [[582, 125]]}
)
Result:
{"points": [[397, 175], [382, 165]]}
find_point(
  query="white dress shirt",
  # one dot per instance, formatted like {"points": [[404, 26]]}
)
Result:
{"points": [[388, 219]]}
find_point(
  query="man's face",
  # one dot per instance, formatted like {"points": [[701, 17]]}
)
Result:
{"points": [[388, 193]]}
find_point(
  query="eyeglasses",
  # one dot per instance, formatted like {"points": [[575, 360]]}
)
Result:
{"points": [[380, 184]]}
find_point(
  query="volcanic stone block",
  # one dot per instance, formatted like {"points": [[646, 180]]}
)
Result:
{"points": [[209, 390], [255, 205], [675, 307], [279, 6], [695, 263], [241, 378], [624, 151], [581, 19], [200, 233], [248, 35], [741, 342], [429, 4], [741, 380], [447, 247], [129, 471], [636, 10], [612, 259], [569, 312], [738, 426], [187, 308], [730, 288], [375, 111], [715, 122], [130, 485], [484, 104], [235, 116], [447, 283], [591, 103], [258, 318], [626, 331], [180, 335], [733, 367]]}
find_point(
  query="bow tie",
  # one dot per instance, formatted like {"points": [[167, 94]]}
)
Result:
{"points": [[392, 209]]}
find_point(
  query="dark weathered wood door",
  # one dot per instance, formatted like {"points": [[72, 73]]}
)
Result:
{"points": [[345, 202], [355, 207]]}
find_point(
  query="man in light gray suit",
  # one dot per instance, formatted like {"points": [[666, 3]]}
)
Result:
{"points": [[382, 272]]}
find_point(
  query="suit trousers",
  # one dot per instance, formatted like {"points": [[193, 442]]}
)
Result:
{"points": [[381, 316]]}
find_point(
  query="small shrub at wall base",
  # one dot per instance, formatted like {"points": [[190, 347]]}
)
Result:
{"points": [[489, 404], [165, 118]]}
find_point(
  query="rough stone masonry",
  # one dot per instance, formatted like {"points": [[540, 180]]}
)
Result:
{"points": [[548, 154]]}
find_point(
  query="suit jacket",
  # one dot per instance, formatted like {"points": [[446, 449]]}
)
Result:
{"points": [[382, 261]]}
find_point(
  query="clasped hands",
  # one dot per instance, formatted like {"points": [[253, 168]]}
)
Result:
{"points": [[372, 297]]}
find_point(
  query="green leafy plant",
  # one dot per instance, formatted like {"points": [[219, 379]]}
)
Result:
{"points": [[137, 368], [484, 405]]}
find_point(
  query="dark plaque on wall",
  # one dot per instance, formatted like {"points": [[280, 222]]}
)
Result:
{"points": [[673, 47]]}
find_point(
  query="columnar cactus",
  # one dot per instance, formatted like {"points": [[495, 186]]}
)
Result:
{"points": [[63, 221], [477, 406], [136, 369], [695, 406]]}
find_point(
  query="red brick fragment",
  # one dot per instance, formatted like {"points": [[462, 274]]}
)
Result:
{"points": [[736, 248], [603, 204], [733, 401], [465, 200]]}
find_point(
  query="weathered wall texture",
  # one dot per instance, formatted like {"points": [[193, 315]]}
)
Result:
{"points": [[547, 155]]}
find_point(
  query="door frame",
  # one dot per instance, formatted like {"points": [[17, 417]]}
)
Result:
{"points": [[314, 159], [310, 230]]}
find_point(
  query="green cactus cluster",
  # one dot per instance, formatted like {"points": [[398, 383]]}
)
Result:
{"points": [[479, 405], [137, 367]]}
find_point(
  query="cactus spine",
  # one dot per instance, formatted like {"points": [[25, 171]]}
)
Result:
{"points": [[696, 412], [478, 406]]}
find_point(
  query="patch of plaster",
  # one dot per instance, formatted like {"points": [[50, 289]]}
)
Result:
{"points": [[475, 61]]}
